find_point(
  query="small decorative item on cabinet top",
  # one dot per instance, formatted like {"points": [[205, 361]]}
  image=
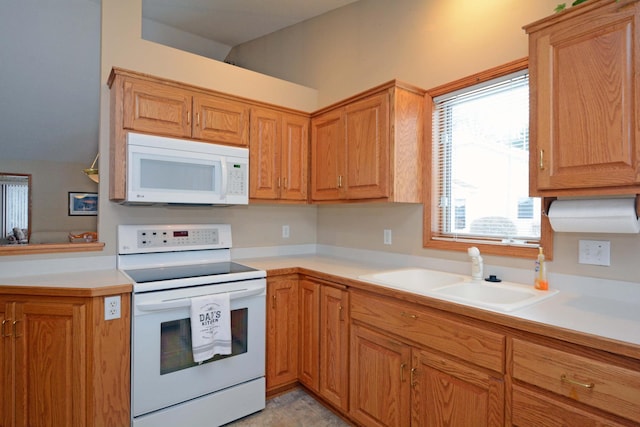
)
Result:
{"points": [[83, 203]]}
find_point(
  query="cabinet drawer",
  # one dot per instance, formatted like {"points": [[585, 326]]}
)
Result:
{"points": [[534, 410], [603, 385], [479, 346]]}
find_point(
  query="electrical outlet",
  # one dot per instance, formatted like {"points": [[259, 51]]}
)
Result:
{"points": [[387, 237], [112, 307], [285, 231], [595, 252]]}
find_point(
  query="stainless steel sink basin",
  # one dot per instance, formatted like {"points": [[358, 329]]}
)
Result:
{"points": [[416, 280], [503, 296]]}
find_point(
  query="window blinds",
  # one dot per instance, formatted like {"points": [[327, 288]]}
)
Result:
{"points": [[481, 163]]}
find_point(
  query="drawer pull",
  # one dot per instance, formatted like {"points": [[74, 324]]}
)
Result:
{"points": [[566, 379], [413, 316]]}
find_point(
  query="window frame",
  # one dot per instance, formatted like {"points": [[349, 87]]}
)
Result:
{"points": [[491, 247]]}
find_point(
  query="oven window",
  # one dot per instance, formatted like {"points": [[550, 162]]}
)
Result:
{"points": [[175, 342]]}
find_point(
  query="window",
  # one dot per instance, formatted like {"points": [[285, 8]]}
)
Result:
{"points": [[14, 203], [479, 189]]}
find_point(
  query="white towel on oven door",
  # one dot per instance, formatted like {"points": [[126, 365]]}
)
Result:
{"points": [[210, 326]]}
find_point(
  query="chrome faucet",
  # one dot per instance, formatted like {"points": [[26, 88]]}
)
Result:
{"points": [[476, 263]]}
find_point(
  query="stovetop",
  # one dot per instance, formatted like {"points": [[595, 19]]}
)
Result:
{"points": [[158, 274]]}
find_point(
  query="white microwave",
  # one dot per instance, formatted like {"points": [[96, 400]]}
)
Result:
{"points": [[178, 171]]}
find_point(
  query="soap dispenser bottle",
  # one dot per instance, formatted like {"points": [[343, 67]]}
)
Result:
{"points": [[540, 281]]}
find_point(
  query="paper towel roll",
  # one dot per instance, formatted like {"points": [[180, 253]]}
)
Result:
{"points": [[594, 216]]}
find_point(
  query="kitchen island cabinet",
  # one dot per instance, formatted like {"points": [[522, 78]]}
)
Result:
{"points": [[278, 156], [62, 363], [369, 147], [585, 100]]}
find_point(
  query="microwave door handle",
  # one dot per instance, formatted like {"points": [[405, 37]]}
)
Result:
{"points": [[186, 302], [223, 192]]}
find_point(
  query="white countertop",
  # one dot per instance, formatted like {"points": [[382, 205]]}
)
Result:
{"points": [[615, 318]]}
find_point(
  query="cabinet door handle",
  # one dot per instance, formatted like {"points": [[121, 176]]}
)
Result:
{"points": [[198, 119], [413, 316], [284, 182], [541, 160], [402, 366], [273, 302], [15, 329], [413, 377], [189, 117], [339, 181], [5, 321], [341, 311], [568, 380]]}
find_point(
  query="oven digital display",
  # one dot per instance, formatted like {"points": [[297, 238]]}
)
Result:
{"points": [[180, 234]]}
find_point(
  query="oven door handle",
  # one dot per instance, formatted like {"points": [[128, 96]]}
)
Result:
{"points": [[186, 302]]}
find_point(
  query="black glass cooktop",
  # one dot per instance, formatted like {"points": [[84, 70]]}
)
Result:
{"points": [[145, 275]]}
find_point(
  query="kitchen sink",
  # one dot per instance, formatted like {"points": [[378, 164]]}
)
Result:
{"points": [[416, 280], [503, 296]]}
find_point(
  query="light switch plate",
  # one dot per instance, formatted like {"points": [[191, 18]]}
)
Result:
{"points": [[594, 252]]}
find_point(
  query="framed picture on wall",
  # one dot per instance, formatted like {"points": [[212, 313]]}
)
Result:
{"points": [[83, 203]]}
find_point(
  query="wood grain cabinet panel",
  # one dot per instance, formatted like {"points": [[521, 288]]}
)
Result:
{"points": [[282, 332], [62, 364], [608, 386], [309, 334], [369, 147], [406, 376], [220, 120], [380, 365], [279, 156], [585, 100]]}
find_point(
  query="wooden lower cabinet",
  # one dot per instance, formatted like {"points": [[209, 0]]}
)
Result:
{"points": [[379, 390], [62, 364], [282, 332], [324, 340], [396, 384]]}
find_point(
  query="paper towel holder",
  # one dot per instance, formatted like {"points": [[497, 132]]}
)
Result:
{"points": [[616, 214]]}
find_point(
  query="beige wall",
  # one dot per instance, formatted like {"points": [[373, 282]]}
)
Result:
{"points": [[427, 43], [50, 184]]}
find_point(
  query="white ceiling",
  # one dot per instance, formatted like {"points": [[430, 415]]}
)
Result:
{"points": [[50, 56]]}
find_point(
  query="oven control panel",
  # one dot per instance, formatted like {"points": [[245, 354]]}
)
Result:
{"points": [[166, 238]]}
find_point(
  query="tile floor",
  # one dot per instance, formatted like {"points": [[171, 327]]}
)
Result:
{"points": [[292, 409]]}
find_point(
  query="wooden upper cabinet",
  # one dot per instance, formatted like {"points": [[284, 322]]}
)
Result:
{"points": [[279, 153], [220, 120], [156, 108], [585, 100], [369, 147]]}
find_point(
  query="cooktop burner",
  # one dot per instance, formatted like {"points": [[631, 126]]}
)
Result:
{"points": [[158, 274]]}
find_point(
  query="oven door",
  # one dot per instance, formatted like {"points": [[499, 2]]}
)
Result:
{"points": [[163, 370]]}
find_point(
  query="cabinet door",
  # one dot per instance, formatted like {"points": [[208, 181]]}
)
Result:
{"points": [[6, 364], [220, 120], [334, 346], [50, 364], [584, 118], [447, 393], [156, 108], [282, 331], [367, 148], [294, 157], [327, 156], [264, 154], [309, 334], [379, 388]]}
